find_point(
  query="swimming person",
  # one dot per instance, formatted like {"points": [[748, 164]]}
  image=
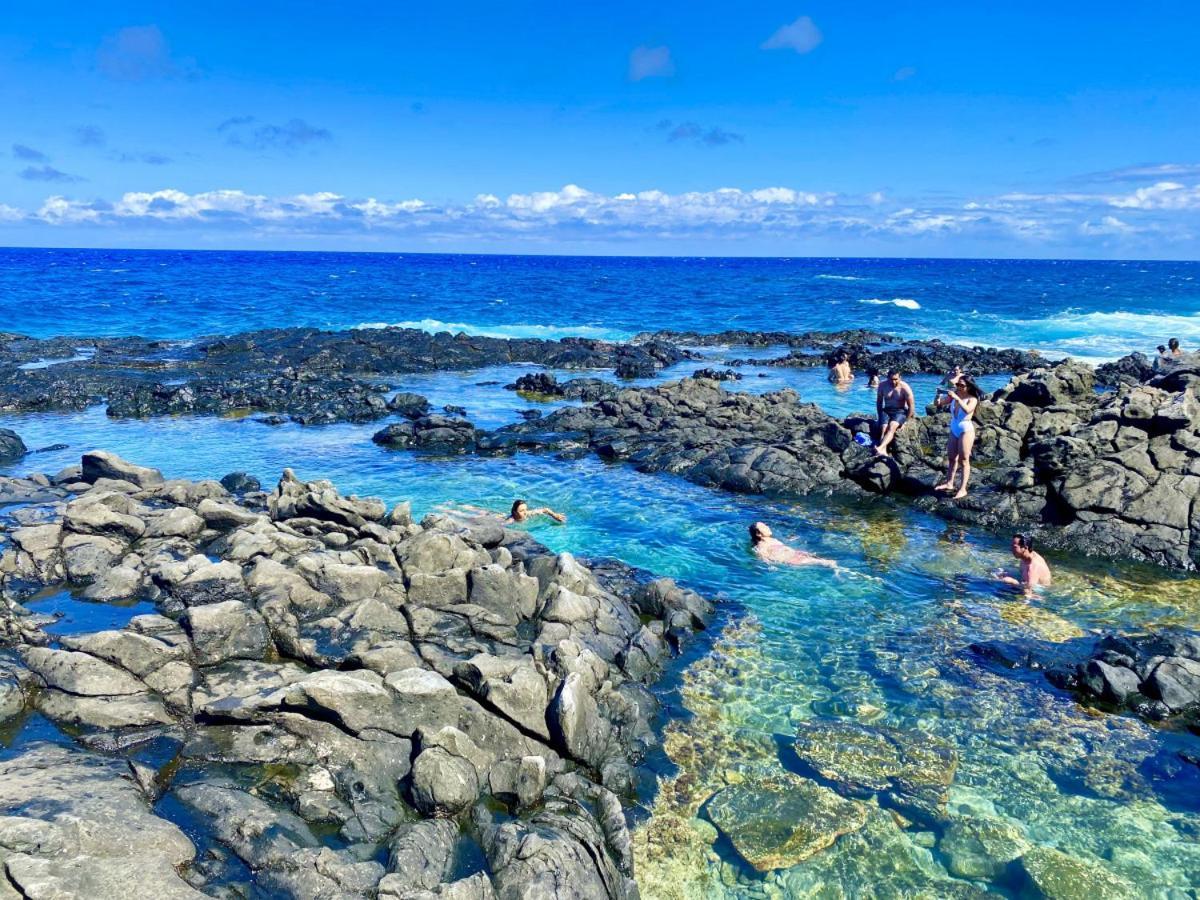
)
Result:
{"points": [[894, 405], [839, 370], [872, 378], [1035, 573], [963, 399], [770, 549], [522, 513]]}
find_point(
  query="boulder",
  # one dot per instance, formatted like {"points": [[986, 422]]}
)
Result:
{"points": [[101, 464], [12, 447], [240, 483], [443, 784], [224, 631], [1058, 876]]}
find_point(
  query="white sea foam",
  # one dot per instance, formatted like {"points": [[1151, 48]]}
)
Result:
{"points": [[902, 302], [841, 277], [521, 330]]}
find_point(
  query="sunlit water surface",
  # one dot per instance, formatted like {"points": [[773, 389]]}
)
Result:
{"points": [[882, 643]]}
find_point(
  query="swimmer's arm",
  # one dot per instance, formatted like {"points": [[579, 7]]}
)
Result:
{"points": [[547, 511], [1003, 576]]}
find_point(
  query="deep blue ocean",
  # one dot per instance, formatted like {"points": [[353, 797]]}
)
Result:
{"points": [[882, 644], [1089, 309]]}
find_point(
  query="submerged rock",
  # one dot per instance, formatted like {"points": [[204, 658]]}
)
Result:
{"points": [[909, 770], [1058, 876], [778, 823]]}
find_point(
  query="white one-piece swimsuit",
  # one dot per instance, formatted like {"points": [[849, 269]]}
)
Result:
{"points": [[960, 420]]}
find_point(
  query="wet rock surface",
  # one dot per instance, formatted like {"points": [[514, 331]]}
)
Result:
{"points": [[338, 702]]}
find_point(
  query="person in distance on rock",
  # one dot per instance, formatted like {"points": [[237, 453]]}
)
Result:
{"points": [[769, 548], [522, 513], [1035, 573], [963, 399], [895, 405], [1173, 347]]}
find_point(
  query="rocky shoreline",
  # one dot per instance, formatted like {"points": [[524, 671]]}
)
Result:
{"points": [[1113, 474], [333, 700]]}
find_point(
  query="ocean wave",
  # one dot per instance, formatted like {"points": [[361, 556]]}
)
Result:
{"points": [[519, 330], [902, 302], [842, 277]]}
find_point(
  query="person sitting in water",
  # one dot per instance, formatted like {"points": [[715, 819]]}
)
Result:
{"points": [[770, 549], [840, 371], [1035, 573], [963, 399], [872, 378], [894, 404], [522, 513]]}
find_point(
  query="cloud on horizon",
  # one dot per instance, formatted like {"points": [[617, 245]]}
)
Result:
{"points": [[650, 62], [251, 134], [803, 36], [90, 136], [1153, 216], [141, 53]]}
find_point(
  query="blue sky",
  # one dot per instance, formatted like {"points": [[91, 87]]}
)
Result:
{"points": [[939, 129]]}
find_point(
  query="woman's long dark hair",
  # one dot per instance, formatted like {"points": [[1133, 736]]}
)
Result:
{"points": [[971, 387], [516, 505]]}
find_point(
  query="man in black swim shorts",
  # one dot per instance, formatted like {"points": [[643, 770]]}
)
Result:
{"points": [[894, 404]]}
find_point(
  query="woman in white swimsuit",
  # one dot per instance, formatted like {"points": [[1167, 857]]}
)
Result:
{"points": [[963, 399]]}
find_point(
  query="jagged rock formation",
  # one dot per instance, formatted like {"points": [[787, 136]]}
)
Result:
{"points": [[321, 665]]}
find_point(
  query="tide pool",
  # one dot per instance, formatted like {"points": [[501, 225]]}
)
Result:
{"points": [[882, 645]]}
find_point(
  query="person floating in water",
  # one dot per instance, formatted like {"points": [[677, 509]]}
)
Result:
{"points": [[522, 513], [1034, 574], [770, 549], [839, 370], [895, 405], [963, 399]]}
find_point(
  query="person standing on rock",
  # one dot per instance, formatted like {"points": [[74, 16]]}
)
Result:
{"points": [[963, 399], [521, 513], [894, 404], [769, 548], [1035, 573]]}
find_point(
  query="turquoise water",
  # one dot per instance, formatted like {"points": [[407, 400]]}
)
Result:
{"points": [[883, 643]]}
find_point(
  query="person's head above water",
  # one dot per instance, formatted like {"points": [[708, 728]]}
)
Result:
{"points": [[519, 510], [759, 532], [1173, 343], [1022, 546]]}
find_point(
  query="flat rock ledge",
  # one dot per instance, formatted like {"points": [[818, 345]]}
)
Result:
{"points": [[1113, 474], [331, 700]]}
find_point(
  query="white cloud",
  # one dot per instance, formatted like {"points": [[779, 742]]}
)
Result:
{"points": [[1165, 213], [1163, 195], [803, 36], [650, 62]]}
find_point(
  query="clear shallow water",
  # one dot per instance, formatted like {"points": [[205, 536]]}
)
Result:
{"points": [[882, 644], [1090, 309]]}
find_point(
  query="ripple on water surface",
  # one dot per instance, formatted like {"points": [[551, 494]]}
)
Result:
{"points": [[881, 648]]}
